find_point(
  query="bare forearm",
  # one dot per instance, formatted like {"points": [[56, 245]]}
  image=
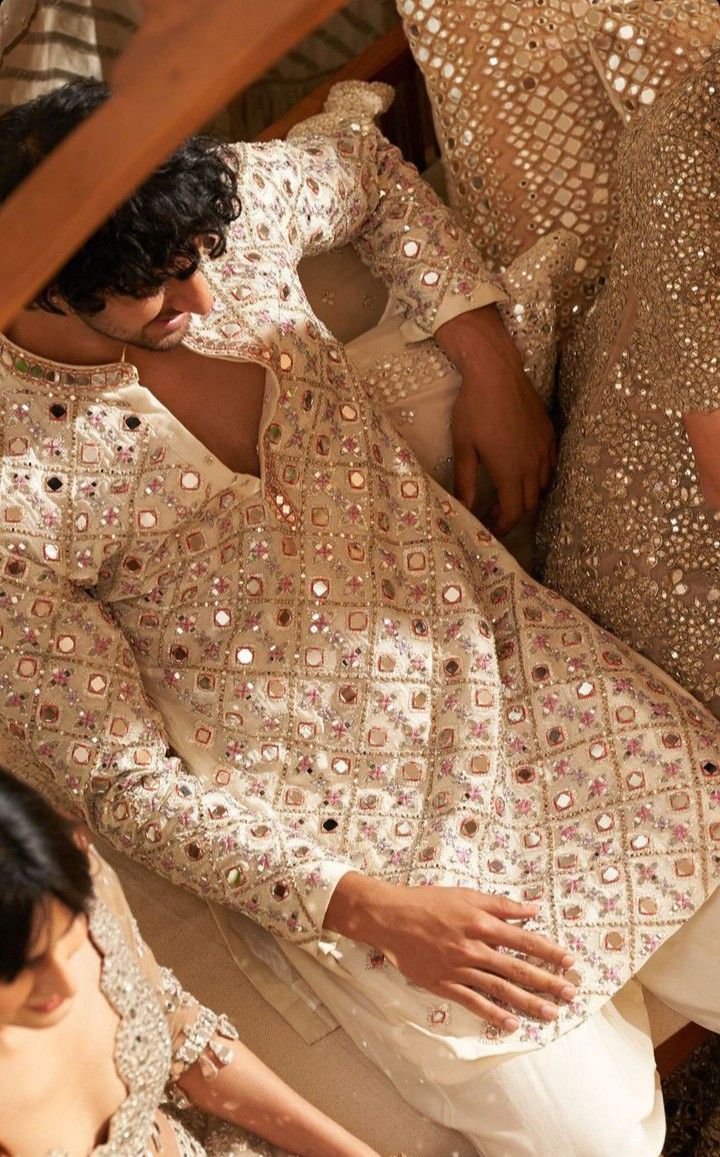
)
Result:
{"points": [[249, 1094], [471, 338], [498, 419]]}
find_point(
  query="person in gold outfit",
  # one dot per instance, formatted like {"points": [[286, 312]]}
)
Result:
{"points": [[602, 119], [631, 530], [530, 99]]}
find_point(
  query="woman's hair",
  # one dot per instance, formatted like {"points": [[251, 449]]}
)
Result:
{"points": [[153, 236], [39, 862]]}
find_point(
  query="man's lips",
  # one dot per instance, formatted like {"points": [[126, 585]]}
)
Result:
{"points": [[49, 1006], [169, 321]]}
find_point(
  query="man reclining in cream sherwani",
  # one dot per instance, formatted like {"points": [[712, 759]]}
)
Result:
{"points": [[249, 638]]}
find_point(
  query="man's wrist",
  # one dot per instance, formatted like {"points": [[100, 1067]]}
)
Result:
{"points": [[472, 337], [355, 906]]}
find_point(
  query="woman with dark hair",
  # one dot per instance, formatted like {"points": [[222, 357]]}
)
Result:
{"points": [[101, 1050]]}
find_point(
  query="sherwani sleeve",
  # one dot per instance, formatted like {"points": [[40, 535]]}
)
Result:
{"points": [[353, 186], [73, 699]]}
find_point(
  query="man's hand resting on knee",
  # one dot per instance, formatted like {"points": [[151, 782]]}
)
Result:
{"points": [[448, 940]]}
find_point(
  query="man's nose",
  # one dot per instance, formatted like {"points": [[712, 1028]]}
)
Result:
{"points": [[57, 980], [190, 296]]}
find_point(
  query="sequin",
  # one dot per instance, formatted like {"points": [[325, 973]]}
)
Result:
{"points": [[162, 1031]]}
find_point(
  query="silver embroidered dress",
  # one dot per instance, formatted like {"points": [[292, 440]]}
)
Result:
{"points": [[256, 685], [161, 1031]]}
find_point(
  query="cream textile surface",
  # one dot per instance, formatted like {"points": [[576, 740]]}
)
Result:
{"points": [[203, 956], [181, 930], [331, 1072]]}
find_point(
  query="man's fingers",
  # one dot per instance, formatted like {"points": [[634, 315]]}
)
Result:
{"points": [[529, 943], [503, 908], [495, 930], [522, 493], [510, 500], [466, 468], [531, 492], [497, 988], [528, 976], [485, 1009]]}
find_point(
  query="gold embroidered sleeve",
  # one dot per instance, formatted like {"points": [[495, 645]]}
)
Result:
{"points": [[677, 216], [73, 698], [356, 187]]}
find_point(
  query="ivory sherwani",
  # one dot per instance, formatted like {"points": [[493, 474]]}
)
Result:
{"points": [[255, 685]]}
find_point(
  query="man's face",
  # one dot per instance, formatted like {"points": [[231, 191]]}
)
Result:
{"points": [[156, 323]]}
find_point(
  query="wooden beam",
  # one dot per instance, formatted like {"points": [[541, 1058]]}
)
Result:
{"points": [[185, 62], [388, 59]]}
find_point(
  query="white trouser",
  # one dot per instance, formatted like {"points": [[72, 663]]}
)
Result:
{"points": [[592, 1093]]}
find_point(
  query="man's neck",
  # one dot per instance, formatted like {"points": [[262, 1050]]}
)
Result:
{"points": [[62, 338]]}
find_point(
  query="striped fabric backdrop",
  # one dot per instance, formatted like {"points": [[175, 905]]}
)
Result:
{"points": [[43, 43], [340, 39]]}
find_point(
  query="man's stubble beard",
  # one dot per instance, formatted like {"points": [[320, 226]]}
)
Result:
{"points": [[135, 340]]}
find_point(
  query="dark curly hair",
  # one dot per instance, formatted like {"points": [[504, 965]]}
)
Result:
{"points": [[191, 198], [39, 861]]}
